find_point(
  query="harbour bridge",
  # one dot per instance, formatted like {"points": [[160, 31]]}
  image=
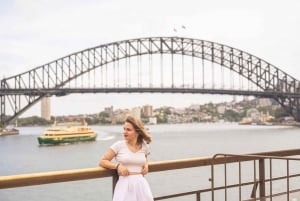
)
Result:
{"points": [[151, 65]]}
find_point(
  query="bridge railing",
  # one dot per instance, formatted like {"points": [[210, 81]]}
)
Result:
{"points": [[215, 162]]}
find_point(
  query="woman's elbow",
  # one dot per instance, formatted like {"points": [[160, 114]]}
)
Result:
{"points": [[102, 163]]}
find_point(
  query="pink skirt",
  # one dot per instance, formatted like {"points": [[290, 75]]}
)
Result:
{"points": [[132, 188]]}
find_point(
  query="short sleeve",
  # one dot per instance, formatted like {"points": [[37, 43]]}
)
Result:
{"points": [[116, 146]]}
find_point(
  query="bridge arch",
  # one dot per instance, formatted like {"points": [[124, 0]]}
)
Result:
{"points": [[52, 78]]}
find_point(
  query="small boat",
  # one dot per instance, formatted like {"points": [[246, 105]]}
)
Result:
{"points": [[58, 135], [9, 131]]}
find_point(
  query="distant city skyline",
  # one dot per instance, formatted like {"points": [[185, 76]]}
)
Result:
{"points": [[122, 101]]}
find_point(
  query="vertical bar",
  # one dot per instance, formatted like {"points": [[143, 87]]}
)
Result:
{"points": [[138, 69], [150, 71], [225, 175], [141, 67], [255, 183], [114, 64], [198, 197], [271, 192], [161, 71], [172, 62], [129, 67], [240, 182], [161, 64], [212, 66], [81, 68], [288, 179], [126, 62], [182, 63], [262, 187], [212, 182], [118, 68], [193, 63], [102, 66], [114, 182], [88, 66], [202, 46], [106, 63]]}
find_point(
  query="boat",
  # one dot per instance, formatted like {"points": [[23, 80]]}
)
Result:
{"points": [[9, 131], [71, 134]]}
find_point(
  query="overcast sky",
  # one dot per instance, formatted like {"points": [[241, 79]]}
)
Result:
{"points": [[36, 32]]}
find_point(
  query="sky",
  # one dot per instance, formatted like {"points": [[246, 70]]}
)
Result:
{"points": [[34, 33]]}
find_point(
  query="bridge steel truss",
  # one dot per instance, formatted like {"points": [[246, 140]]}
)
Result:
{"points": [[18, 93]]}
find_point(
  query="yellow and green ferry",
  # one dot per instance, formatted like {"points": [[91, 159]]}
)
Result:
{"points": [[58, 135]]}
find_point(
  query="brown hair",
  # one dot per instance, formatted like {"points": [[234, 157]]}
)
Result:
{"points": [[140, 129]]}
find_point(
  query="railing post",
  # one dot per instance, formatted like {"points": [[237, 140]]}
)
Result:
{"points": [[262, 187], [198, 196], [115, 178]]}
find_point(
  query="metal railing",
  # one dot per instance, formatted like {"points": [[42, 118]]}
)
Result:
{"points": [[259, 177], [225, 161]]}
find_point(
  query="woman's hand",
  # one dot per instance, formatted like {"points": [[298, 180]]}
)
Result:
{"points": [[145, 169], [122, 171]]}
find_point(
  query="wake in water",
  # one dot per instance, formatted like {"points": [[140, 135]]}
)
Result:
{"points": [[105, 138]]}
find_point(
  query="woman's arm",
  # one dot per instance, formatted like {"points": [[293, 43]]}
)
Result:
{"points": [[145, 169], [105, 161]]}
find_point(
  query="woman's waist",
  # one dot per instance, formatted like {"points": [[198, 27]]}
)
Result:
{"points": [[134, 173]]}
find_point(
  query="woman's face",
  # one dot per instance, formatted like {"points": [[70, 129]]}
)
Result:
{"points": [[129, 132]]}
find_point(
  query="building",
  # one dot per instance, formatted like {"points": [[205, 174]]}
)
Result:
{"points": [[109, 110], [136, 112], [264, 102], [147, 110], [46, 108], [152, 120]]}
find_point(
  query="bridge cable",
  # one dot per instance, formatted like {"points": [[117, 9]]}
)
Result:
{"points": [[193, 68], [94, 68], [161, 69], [202, 49], [222, 77], [172, 63], [129, 69], [203, 72], [193, 63], [150, 70], [81, 69], [118, 68], [182, 63], [212, 67]]}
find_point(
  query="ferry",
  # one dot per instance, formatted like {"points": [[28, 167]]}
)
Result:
{"points": [[9, 131], [58, 135]]}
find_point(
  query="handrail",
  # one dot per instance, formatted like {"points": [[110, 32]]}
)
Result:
{"points": [[93, 173], [254, 157], [13, 181], [262, 180]]}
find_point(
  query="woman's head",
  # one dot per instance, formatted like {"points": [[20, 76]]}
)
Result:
{"points": [[139, 128]]}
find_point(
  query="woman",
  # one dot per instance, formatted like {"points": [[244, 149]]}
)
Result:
{"points": [[131, 162]]}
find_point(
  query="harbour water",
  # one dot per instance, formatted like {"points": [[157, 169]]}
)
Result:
{"points": [[22, 154]]}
